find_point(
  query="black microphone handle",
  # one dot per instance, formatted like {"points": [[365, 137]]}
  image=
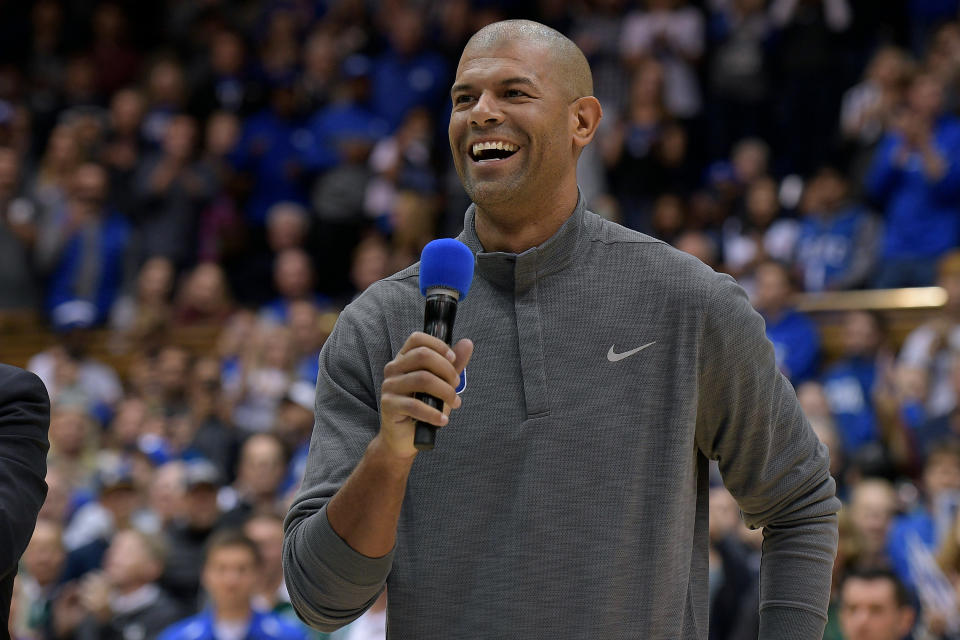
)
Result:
{"points": [[438, 316]]}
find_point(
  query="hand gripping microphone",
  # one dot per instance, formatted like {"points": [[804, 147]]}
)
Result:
{"points": [[446, 271]]}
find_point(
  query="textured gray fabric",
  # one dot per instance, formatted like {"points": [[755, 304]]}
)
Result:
{"points": [[567, 498]]}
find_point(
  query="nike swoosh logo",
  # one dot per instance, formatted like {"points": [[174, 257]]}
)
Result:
{"points": [[617, 357]]}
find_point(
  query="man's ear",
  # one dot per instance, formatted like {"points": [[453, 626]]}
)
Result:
{"points": [[585, 116]]}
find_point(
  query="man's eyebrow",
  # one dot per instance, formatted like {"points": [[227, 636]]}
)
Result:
{"points": [[457, 88]]}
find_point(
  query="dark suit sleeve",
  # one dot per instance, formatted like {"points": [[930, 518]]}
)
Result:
{"points": [[24, 420]]}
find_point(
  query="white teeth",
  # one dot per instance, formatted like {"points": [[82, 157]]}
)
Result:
{"points": [[499, 145]]}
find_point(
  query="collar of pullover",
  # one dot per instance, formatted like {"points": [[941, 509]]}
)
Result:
{"points": [[516, 270]]}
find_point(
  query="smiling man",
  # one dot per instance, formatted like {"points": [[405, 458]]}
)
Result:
{"points": [[567, 494]]}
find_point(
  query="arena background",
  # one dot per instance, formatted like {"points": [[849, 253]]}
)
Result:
{"points": [[190, 190]]}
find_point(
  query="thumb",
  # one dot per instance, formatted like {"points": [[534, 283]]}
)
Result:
{"points": [[463, 350]]}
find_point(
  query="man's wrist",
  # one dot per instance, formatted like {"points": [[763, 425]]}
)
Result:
{"points": [[380, 453]]}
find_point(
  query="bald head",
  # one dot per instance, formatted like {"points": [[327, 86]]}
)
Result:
{"points": [[573, 70]]}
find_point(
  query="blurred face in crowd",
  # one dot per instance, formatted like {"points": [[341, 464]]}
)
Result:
{"points": [[127, 424], [926, 96], [200, 505], [267, 533], [126, 111], [870, 611], [230, 576], [941, 473], [45, 555], [9, 172], [724, 514], [293, 274], [371, 262], [750, 158], [861, 335], [206, 288], [226, 53], [261, 466], [762, 203], [69, 429], [872, 507], [121, 501], [286, 226], [222, 133], [772, 288], [90, 185], [173, 364], [304, 327], [129, 562], [155, 281], [167, 491], [180, 138], [166, 83]]}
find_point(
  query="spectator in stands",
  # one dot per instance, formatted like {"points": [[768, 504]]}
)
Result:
{"points": [[123, 145], [306, 339], [370, 262], [929, 347], [869, 106], [700, 245], [266, 530], [39, 579], [270, 150], [807, 54], [407, 57], [266, 372], [946, 425], [124, 600], [630, 146], [294, 426], [875, 605], [288, 226], [231, 574], [321, 61], [795, 338], [873, 504], [673, 33], [734, 591], [916, 177], [838, 243], [738, 77], [850, 382], [166, 492], [762, 234], [214, 437], [73, 446], [172, 187], [204, 297], [83, 249], [188, 535], [293, 279], [925, 526], [18, 222], [166, 96], [263, 464], [140, 319], [119, 505], [221, 232], [224, 81], [51, 182]]}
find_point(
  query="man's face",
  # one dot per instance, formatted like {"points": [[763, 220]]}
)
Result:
{"points": [[128, 562], [506, 95], [870, 611], [230, 576]]}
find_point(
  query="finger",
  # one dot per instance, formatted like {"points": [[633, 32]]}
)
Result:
{"points": [[421, 339], [421, 382], [410, 407], [422, 359]]}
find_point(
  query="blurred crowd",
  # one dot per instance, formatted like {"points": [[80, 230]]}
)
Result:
{"points": [[252, 166]]}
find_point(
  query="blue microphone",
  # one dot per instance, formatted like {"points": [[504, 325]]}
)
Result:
{"points": [[446, 271]]}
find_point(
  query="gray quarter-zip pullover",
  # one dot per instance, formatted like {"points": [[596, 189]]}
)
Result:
{"points": [[567, 498]]}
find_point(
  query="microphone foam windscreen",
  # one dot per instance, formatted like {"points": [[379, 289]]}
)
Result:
{"points": [[446, 262]]}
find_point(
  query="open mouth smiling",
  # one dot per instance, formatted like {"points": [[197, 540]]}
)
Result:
{"points": [[491, 151]]}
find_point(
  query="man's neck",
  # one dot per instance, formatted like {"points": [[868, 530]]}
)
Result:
{"points": [[515, 228], [239, 613]]}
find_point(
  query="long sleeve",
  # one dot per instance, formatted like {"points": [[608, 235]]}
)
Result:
{"points": [[24, 420], [771, 461], [329, 583], [884, 174]]}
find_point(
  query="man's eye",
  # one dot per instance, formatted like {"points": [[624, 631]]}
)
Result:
{"points": [[514, 93], [463, 98]]}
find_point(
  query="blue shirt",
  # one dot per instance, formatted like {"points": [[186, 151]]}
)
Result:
{"points": [[263, 626], [400, 84], [825, 246], [271, 149], [796, 344], [923, 216], [848, 385]]}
